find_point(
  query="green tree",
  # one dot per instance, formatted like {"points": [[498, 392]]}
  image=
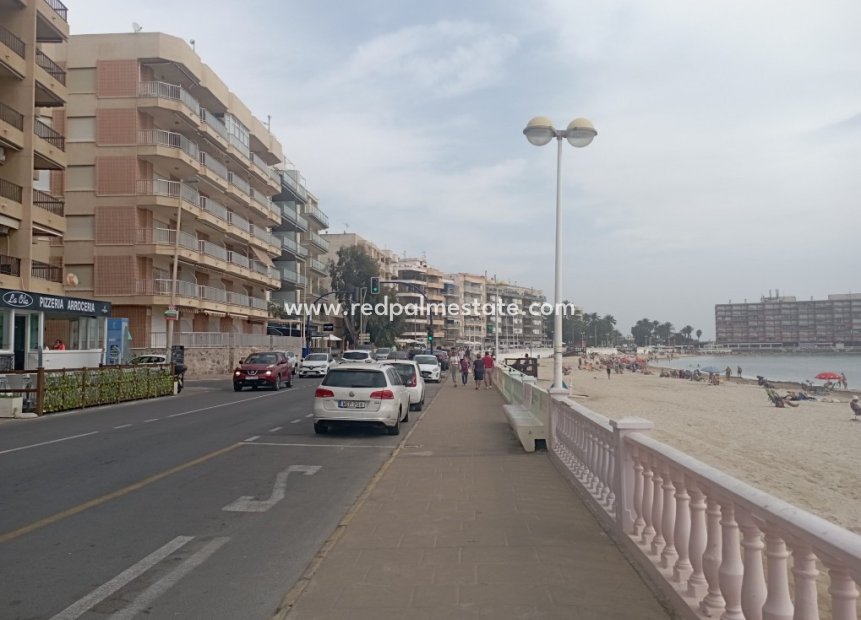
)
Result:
{"points": [[642, 331], [686, 331], [699, 333]]}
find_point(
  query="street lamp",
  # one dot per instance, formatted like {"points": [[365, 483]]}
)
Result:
{"points": [[579, 133]]}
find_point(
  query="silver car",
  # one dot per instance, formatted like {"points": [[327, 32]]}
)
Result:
{"points": [[361, 393], [315, 365], [412, 378]]}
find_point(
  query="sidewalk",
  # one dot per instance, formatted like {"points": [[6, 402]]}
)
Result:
{"points": [[464, 524]]}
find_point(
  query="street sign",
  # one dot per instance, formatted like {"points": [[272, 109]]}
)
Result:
{"points": [[171, 314], [328, 327]]}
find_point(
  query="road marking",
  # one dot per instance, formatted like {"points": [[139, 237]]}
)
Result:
{"points": [[309, 415], [123, 426], [45, 443], [152, 593], [295, 421], [276, 429], [317, 445], [133, 572], [255, 438], [228, 404], [150, 420], [59, 516], [247, 503]]}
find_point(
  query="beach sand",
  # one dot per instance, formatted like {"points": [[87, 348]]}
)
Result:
{"points": [[806, 456]]}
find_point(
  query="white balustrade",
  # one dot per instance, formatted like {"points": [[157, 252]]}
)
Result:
{"points": [[715, 546]]}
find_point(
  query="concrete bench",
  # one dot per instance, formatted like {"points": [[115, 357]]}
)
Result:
{"points": [[528, 428]]}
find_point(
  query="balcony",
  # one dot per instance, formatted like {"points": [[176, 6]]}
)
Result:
{"points": [[166, 146], [238, 221], [261, 169], [11, 127], [292, 248], [291, 218], [11, 191], [49, 150], [318, 215], [291, 277], [214, 127], [318, 266], [49, 203], [234, 258], [167, 236], [215, 208], [50, 82], [212, 249], [53, 21], [213, 170], [266, 203], [318, 241], [10, 265], [162, 188], [296, 183], [44, 271], [239, 183], [171, 92], [14, 64]]}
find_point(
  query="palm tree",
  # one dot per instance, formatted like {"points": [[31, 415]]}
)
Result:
{"points": [[686, 331], [699, 333]]}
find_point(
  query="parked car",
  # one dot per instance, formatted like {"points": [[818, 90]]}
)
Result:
{"points": [[412, 378], [361, 393], [382, 353], [293, 359], [357, 355], [398, 355], [149, 359], [442, 356], [429, 367], [267, 369], [316, 365]]}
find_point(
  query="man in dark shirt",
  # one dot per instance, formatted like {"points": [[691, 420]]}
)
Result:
{"points": [[478, 370]]}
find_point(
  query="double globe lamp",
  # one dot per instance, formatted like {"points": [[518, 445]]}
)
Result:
{"points": [[579, 133]]}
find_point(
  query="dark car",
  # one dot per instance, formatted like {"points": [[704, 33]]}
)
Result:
{"points": [[267, 369], [398, 355], [442, 356]]}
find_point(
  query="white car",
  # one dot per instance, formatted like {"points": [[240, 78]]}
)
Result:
{"points": [[382, 353], [357, 356], [429, 367], [361, 393], [412, 378], [316, 365]]}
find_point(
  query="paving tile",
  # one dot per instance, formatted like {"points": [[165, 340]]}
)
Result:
{"points": [[398, 574], [505, 595], [435, 595], [456, 574], [365, 595]]}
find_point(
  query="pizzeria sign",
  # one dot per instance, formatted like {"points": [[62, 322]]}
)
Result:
{"points": [[53, 304]]}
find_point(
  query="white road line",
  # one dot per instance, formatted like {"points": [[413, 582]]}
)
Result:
{"points": [[95, 597], [309, 415], [45, 443], [150, 420], [123, 426], [228, 404], [276, 429], [295, 421], [255, 438], [317, 445], [248, 503], [152, 593]]}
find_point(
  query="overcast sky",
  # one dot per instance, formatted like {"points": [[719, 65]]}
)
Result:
{"points": [[726, 162]]}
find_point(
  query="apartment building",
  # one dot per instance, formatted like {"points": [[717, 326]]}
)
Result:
{"points": [[517, 330], [471, 289], [785, 322], [32, 147], [168, 189]]}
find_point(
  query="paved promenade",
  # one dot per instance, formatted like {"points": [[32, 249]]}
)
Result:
{"points": [[463, 524]]}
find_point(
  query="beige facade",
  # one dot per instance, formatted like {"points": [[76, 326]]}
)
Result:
{"points": [[33, 92], [169, 178]]}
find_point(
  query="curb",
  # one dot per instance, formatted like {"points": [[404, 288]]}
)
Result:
{"points": [[285, 607]]}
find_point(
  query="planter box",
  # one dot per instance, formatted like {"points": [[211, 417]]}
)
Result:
{"points": [[11, 407]]}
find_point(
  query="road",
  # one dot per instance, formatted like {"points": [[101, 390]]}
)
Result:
{"points": [[209, 504]]}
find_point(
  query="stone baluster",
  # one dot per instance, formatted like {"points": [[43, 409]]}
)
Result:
{"points": [[648, 493], [600, 479], [805, 572], [778, 605], [843, 593], [682, 531], [713, 601], [639, 522], [731, 570], [657, 509], [697, 583], [668, 523], [609, 493], [590, 459], [753, 592], [604, 468]]}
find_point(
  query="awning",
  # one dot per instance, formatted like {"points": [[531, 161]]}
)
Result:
{"points": [[262, 256], [40, 230], [11, 222]]}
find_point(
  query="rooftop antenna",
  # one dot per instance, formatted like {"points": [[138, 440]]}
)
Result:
{"points": [[136, 27], [269, 123], [192, 43]]}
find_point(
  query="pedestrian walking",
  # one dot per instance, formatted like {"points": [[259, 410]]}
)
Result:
{"points": [[453, 367], [488, 370], [738, 372], [464, 369], [478, 370], [728, 373], [608, 371]]}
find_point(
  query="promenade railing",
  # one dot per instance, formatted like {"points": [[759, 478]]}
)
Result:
{"points": [[714, 546]]}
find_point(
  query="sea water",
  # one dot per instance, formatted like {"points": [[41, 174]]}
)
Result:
{"points": [[786, 367]]}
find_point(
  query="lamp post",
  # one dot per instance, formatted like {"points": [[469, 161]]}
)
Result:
{"points": [[579, 133]]}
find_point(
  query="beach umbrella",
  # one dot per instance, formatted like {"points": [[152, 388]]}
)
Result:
{"points": [[828, 376], [711, 369]]}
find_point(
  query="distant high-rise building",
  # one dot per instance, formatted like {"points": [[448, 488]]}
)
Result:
{"points": [[785, 322]]}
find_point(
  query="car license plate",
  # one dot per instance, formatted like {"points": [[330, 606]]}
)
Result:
{"points": [[351, 404]]}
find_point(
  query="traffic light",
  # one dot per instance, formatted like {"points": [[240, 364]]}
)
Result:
{"points": [[375, 285], [430, 334]]}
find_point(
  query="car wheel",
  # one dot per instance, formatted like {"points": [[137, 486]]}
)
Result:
{"points": [[237, 387], [320, 428], [420, 404], [406, 416], [277, 384], [396, 429], [290, 382]]}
